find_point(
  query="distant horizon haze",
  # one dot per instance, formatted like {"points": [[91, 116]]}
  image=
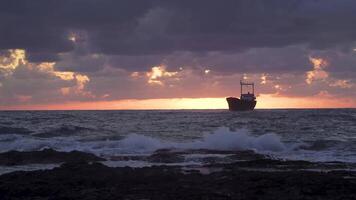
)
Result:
{"points": [[264, 102]]}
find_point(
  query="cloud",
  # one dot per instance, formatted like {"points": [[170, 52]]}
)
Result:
{"points": [[10, 60], [157, 73], [26, 82], [88, 50], [318, 72], [131, 27]]}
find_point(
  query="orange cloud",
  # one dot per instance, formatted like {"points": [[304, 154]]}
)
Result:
{"points": [[10, 62], [318, 72], [157, 73], [17, 58], [342, 84]]}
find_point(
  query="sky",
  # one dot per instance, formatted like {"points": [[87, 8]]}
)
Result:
{"points": [[176, 54]]}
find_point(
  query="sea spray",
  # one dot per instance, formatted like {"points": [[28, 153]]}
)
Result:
{"points": [[225, 139], [220, 139]]}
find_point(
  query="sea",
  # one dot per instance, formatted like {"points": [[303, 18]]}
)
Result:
{"points": [[323, 135]]}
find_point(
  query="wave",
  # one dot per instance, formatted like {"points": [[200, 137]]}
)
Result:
{"points": [[13, 130], [64, 130], [221, 139], [322, 145], [225, 139]]}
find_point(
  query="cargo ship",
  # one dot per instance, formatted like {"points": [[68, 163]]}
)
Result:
{"points": [[247, 101]]}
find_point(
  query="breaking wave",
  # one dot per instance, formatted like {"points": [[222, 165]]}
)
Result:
{"points": [[221, 139], [224, 139]]}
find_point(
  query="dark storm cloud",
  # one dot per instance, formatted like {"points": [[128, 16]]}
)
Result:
{"points": [[43, 26], [212, 25], [39, 57], [133, 27]]}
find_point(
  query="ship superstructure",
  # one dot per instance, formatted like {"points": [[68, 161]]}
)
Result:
{"points": [[247, 100]]}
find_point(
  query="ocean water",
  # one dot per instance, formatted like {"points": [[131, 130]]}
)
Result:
{"points": [[313, 135]]}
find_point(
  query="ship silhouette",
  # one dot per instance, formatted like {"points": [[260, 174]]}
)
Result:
{"points": [[247, 101]]}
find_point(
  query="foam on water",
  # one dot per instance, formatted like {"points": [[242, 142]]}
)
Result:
{"points": [[30, 167], [224, 139], [314, 135], [220, 139]]}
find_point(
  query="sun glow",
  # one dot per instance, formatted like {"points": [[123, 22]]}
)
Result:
{"points": [[264, 101]]}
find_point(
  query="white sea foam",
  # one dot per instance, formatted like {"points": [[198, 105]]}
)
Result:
{"points": [[221, 139], [29, 167], [224, 139]]}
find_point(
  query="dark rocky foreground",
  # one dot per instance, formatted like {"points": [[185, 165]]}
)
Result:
{"points": [[259, 178], [46, 156]]}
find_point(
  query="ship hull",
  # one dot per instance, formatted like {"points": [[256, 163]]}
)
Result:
{"points": [[236, 104]]}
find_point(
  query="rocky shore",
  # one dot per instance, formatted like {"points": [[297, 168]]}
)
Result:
{"points": [[46, 156], [253, 177]]}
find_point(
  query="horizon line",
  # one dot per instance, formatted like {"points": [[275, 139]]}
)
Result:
{"points": [[177, 109]]}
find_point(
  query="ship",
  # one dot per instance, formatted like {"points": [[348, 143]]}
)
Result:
{"points": [[247, 101]]}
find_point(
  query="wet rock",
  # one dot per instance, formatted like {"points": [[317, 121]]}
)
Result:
{"points": [[269, 164], [247, 155], [46, 156], [166, 156], [159, 156], [97, 181], [128, 158]]}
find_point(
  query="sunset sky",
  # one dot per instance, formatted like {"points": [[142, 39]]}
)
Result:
{"points": [[176, 54]]}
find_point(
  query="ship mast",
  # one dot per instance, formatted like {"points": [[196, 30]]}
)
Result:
{"points": [[247, 84]]}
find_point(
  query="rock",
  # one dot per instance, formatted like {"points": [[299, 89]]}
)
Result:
{"points": [[127, 158], [46, 156], [78, 179], [165, 157], [81, 180]]}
